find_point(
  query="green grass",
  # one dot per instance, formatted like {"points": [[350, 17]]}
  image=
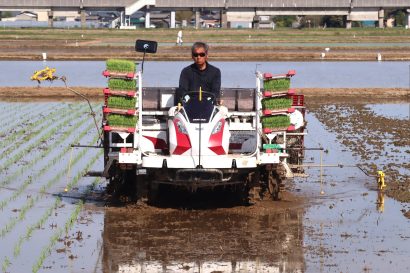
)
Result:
{"points": [[120, 65], [276, 103], [119, 84], [276, 84], [121, 102], [276, 121], [122, 121]]}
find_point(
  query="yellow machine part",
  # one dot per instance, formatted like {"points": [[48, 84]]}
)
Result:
{"points": [[46, 74], [380, 180]]}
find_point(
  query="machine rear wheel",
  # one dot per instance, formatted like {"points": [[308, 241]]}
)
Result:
{"points": [[123, 184], [274, 184]]}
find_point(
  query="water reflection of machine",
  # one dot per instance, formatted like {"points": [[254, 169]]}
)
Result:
{"points": [[380, 201], [202, 241]]}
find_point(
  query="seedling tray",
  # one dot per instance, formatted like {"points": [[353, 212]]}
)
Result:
{"points": [[268, 112], [271, 94], [129, 112], [118, 75], [272, 130], [120, 93], [130, 130]]}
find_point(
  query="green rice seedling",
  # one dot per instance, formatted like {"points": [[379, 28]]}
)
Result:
{"points": [[122, 120], [53, 240], [120, 84], [121, 102], [118, 65], [46, 251], [276, 103], [17, 247], [276, 84], [26, 117], [32, 200], [46, 151], [51, 132], [79, 175], [280, 121], [73, 216], [6, 264]]}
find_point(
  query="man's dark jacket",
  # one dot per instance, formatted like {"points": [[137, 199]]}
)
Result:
{"points": [[192, 78]]}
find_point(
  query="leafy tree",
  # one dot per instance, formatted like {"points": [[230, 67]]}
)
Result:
{"points": [[333, 21], [6, 14], [284, 21], [400, 18], [183, 15]]}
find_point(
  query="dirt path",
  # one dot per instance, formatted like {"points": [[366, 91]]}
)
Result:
{"points": [[282, 44], [217, 53], [320, 94]]}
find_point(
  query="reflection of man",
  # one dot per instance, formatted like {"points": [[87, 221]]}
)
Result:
{"points": [[200, 74]]}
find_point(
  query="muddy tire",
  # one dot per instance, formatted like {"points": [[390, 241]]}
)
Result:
{"points": [[274, 184], [123, 184], [253, 195]]}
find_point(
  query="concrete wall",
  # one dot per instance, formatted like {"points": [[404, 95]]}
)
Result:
{"points": [[381, 3], [363, 15]]}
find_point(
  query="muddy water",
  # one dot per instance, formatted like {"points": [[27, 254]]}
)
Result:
{"points": [[348, 228], [351, 227], [233, 240]]}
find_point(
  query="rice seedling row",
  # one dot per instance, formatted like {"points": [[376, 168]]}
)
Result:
{"points": [[39, 126], [15, 110], [25, 113], [24, 135], [79, 175], [7, 106], [47, 151], [5, 265], [46, 251], [37, 225], [43, 134], [51, 162], [22, 118], [47, 134], [22, 237], [12, 222]]}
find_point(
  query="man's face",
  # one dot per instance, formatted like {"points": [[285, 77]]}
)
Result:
{"points": [[199, 56]]}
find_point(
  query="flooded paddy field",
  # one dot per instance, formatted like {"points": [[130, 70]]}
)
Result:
{"points": [[53, 219]]}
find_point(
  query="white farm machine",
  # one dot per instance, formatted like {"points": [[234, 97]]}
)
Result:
{"points": [[247, 143]]}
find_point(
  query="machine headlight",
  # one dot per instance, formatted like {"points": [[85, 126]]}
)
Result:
{"points": [[217, 128], [181, 127]]}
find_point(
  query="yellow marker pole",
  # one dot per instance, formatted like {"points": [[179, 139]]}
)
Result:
{"points": [[380, 180], [200, 93]]}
